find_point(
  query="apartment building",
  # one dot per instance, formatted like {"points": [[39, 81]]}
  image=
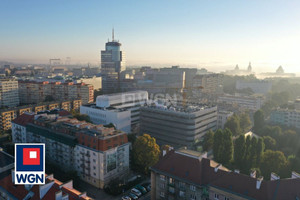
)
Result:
{"points": [[98, 154], [123, 102], [257, 86], [286, 117], [37, 92], [9, 93], [222, 118], [9, 114], [52, 189], [185, 174], [252, 103], [177, 125], [210, 83]]}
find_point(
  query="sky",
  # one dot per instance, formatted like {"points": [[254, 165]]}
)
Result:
{"points": [[216, 34]]}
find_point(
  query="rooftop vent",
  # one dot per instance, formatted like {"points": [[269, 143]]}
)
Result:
{"points": [[258, 182]]}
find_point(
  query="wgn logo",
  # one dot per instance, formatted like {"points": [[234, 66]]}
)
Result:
{"points": [[30, 163]]}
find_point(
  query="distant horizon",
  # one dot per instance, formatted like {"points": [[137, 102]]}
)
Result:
{"points": [[211, 34]]}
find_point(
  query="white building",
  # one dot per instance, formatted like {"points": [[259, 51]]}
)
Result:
{"points": [[245, 103], [9, 93], [257, 86], [121, 109], [222, 118]]}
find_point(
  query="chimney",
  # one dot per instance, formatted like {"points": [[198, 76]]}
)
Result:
{"points": [[253, 173], [218, 167], [274, 176], [295, 175], [237, 171], [258, 182], [164, 152]]}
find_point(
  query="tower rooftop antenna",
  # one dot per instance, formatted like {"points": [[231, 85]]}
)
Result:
{"points": [[113, 34]]}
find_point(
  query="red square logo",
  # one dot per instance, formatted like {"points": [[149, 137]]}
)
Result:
{"points": [[31, 156]]}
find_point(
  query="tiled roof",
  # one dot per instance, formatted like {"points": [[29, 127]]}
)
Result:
{"points": [[202, 172], [24, 119], [20, 192]]}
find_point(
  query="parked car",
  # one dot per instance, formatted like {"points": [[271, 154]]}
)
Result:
{"points": [[133, 196], [136, 192], [126, 198], [141, 189], [147, 186]]}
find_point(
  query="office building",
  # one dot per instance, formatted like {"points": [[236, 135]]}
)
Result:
{"points": [[112, 64], [98, 154], [186, 174], [9, 93], [52, 189], [176, 125], [37, 92], [123, 102], [96, 82]]}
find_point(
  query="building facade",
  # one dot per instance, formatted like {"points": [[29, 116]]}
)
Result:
{"points": [[9, 93], [7, 115], [257, 86], [98, 154], [252, 103], [126, 101], [222, 118], [112, 64], [287, 117], [37, 92], [177, 126], [186, 174], [210, 83]]}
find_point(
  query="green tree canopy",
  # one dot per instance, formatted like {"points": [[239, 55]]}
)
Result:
{"points": [[208, 140], [270, 143], [272, 161], [259, 121], [245, 122], [233, 124], [145, 152]]}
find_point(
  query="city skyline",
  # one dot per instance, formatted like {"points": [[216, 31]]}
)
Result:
{"points": [[159, 33]]}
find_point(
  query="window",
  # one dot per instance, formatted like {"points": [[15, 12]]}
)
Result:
{"points": [[226, 198], [171, 180], [181, 193], [162, 194], [193, 196], [192, 187], [162, 177], [172, 190], [216, 197], [181, 185], [162, 185]]}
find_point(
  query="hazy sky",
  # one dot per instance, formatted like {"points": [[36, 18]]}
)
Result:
{"points": [[202, 33]]}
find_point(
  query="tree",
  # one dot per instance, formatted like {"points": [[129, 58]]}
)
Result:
{"points": [[259, 150], [145, 152], [233, 124], [245, 122], [270, 143], [259, 121], [272, 161], [227, 153], [223, 146], [218, 145], [239, 151], [208, 140]]}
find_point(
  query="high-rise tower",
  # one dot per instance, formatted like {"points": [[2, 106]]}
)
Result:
{"points": [[112, 64]]}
